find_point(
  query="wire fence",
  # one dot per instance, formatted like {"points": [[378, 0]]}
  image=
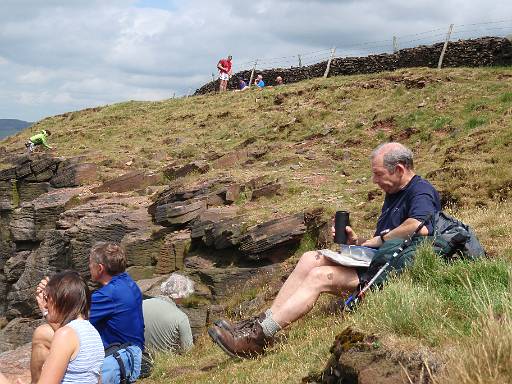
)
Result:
{"points": [[496, 28]]}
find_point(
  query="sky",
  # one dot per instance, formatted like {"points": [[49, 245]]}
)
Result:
{"points": [[64, 55]]}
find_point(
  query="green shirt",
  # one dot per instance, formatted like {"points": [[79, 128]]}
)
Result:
{"points": [[40, 138], [166, 327]]}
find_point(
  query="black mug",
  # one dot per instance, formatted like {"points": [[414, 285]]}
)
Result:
{"points": [[341, 220]]}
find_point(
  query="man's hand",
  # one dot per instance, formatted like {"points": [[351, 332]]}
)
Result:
{"points": [[352, 238], [41, 294], [374, 242]]}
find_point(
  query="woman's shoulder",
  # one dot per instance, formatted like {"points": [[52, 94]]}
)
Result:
{"points": [[65, 337], [66, 331]]}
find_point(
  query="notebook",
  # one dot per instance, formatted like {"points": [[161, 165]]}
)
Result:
{"points": [[351, 255]]}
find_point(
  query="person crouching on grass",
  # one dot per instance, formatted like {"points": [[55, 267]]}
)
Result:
{"points": [[76, 351]]}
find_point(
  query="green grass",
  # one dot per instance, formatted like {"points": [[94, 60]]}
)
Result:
{"points": [[506, 97], [475, 122], [437, 303], [459, 128], [453, 309]]}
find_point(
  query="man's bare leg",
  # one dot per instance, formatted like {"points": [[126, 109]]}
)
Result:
{"points": [[320, 279], [308, 261], [41, 342]]}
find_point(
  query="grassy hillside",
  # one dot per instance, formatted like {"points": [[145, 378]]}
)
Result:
{"points": [[318, 135]]}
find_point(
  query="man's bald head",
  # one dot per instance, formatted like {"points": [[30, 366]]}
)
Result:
{"points": [[394, 154]]}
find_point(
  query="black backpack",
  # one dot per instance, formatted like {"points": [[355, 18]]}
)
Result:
{"points": [[453, 238]]}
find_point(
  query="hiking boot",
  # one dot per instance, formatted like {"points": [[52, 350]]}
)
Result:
{"points": [[245, 342], [227, 325]]}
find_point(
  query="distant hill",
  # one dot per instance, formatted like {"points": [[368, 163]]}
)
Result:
{"points": [[11, 126]]}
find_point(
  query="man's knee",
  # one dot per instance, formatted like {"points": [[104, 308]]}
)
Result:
{"points": [[310, 259]]}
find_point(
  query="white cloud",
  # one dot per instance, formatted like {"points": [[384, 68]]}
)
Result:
{"points": [[35, 76]]}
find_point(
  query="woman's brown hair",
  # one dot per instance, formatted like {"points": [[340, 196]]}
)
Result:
{"points": [[69, 295]]}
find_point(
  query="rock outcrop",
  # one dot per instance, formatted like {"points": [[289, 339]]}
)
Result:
{"points": [[49, 222]]}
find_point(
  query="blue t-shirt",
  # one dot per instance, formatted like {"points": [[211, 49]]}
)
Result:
{"points": [[416, 200], [116, 312], [261, 84]]}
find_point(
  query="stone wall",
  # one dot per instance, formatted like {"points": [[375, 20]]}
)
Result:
{"points": [[486, 51]]}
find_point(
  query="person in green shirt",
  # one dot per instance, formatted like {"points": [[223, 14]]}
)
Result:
{"points": [[38, 139]]}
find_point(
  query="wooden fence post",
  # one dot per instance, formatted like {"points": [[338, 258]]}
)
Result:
{"points": [[395, 44], [213, 76], [326, 73], [300, 61], [252, 72], [440, 63]]}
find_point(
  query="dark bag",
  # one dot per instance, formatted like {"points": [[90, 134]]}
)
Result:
{"points": [[453, 238], [113, 349], [385, 254]]}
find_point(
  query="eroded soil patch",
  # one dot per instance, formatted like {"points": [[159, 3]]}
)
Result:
{"points": [[357, 358]]}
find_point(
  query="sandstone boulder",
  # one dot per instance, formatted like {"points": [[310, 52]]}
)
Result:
{"points": [[218, 227], [129, 182], [8, 174], [9, 198], [179, 213], [139, 272], [15, 266], [222, 281], [32, 220], [17, 333], [73, 173], [177, 171], [173, 252], [267, 190], [30, 191], [16, 363], [271, 234], [141, 248], [197, 317], [52, 255], [151, 287]]}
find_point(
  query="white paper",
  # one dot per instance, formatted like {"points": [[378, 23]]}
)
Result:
{"points": [[351, 255]]}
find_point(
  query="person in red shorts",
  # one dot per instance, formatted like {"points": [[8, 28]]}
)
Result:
{"points": [[224, 67]]}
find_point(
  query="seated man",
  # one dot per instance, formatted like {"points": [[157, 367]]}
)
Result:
{"points": [[242, 85], [409, 199], [259, 81], [116, 312], [167, 328]]}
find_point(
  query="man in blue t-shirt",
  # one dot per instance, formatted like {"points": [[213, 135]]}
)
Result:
{"points": [[259, 81], [116, 312], [409, 199]]}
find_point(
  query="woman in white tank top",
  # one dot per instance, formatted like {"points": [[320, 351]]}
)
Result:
{"points": [[76, 353]]}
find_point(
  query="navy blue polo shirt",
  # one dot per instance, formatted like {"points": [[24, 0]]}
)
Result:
{"points": [[116, 312], [416, 200]]}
